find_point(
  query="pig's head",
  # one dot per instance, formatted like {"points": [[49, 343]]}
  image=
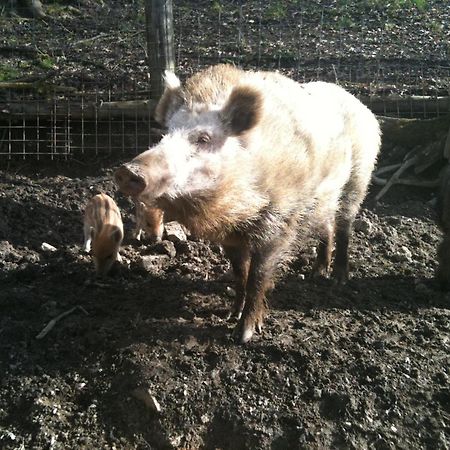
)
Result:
{"points": [[205, 129], [152, 221], [105, 248]]}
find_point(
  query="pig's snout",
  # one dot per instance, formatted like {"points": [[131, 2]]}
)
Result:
{"points": [[130, 180]]}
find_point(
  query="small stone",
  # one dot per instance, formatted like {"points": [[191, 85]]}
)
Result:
{"points": [[154, 263], [403, 254], [363, 224], [149, 400], [165, 248], [317, 393], [407, 252], [48, 247], [231, 292], [174, 232]]}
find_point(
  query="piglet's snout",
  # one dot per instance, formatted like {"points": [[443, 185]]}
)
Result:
{"points": [[130, 180]]}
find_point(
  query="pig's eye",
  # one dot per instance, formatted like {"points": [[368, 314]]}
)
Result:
{"points": [[203, 138]]}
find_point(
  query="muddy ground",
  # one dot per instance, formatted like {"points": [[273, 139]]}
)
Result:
{"points": [[362, 366]]}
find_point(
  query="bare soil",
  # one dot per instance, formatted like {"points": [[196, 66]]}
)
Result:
{"points": [[360, 366], [365, 365]]}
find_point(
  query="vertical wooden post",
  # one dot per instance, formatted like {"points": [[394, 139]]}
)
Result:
{"points": [[160, 42]]}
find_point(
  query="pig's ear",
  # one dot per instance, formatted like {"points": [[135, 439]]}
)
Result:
{"points": [[242, 110], [171, 99], [116, 235]]}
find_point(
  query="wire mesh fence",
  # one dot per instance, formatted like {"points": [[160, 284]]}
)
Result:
{"points": [[85, 121], [90, 95]]}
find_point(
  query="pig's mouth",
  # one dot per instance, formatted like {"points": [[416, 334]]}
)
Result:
{"points": [[130, 180]]}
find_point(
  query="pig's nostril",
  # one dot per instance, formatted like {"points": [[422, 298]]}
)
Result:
{"points": [[129, 182]]}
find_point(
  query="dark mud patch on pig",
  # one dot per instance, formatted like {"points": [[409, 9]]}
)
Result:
{"points": [[362, 366]]}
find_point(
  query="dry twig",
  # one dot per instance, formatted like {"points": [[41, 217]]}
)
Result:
{"points": [[53, 322]]}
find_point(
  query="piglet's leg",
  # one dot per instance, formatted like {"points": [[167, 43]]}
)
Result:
{"points": [[137, 233], [87, 239], [240, 262]]}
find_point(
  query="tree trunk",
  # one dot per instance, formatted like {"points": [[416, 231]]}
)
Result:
{"points": [[30, 8]]}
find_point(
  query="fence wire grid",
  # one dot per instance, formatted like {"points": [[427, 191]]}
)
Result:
{"points": [[77, 82]]}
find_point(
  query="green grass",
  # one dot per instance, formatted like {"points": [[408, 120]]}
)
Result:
{"points": [[45, 62], [9, 73]]}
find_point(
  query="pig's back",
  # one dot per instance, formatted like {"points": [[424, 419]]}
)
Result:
{"points": [[101, 210], [315, 136], [315, 113]]}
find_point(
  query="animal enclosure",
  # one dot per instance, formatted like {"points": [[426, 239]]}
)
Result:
{"points": [[144, 358], [87, 92]]}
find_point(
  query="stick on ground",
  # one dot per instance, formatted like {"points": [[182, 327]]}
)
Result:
{"points": [[53, 322]]}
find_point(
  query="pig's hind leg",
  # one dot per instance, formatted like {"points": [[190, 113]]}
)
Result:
{"points": [[322, 264], [87, 238], [352, 196]]}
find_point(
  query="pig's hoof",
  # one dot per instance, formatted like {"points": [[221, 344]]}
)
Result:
{"points": [[234, 315], [319, 271], [243, 332], [340, 277], [245, 329]]}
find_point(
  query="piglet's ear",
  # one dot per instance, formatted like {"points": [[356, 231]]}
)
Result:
{"points": [[242, 110], [170, 100], [117, 235]]}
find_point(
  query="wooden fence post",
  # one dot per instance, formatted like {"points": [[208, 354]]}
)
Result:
{"points": [[160, 43]]}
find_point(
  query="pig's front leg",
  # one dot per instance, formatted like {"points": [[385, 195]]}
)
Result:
{"points": [[255, 308], [240, 262], [264, 259]]}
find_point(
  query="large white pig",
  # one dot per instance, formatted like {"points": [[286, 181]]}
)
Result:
{"points": [[254, 161]]}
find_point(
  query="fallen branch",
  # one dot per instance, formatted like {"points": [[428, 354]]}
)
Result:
{"points": [[394, 179], [83, 41], [407, 105], [35, 85], [132, 109], [376, 179], [18, 49], [53, 322]]}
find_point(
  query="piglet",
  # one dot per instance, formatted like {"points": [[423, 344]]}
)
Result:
{"points": [[150, 221], [103, 232]]}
